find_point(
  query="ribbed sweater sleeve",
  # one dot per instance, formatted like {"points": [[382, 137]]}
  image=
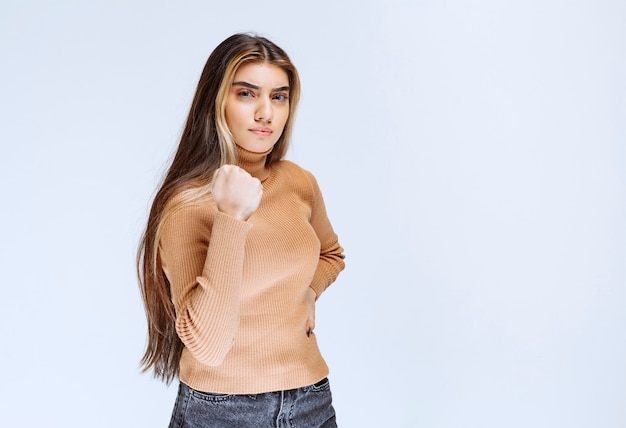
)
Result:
{"points": [[331, 261], [203, 258]]}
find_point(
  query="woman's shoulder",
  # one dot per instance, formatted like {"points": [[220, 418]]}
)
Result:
{"points": [[299, 180], [295, 171]]}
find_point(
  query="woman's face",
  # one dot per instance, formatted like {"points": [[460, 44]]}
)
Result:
{"points": [[257, 106]]}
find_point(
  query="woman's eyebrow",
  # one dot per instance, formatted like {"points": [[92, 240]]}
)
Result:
{"points": [[256, 88], [246, 85]]}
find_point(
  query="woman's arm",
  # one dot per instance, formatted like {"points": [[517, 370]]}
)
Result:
{"points": [[202, 255], [331, 253], [202, 252]]}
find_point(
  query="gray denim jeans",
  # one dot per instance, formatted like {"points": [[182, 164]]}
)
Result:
{"points": [[306, 407]]}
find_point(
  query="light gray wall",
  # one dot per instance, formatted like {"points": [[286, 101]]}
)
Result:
{"points": [[472, 156]]}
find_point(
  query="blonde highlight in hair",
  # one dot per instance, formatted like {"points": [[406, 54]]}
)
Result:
{"points": [[206, 144]]}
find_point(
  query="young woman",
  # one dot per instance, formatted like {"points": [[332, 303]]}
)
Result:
{"points": [[237, 249]]}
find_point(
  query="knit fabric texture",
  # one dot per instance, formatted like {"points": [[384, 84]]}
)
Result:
{"points": [[239, 288]]}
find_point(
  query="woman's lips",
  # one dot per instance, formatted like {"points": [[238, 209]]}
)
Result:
{"points": [[261, 131]]}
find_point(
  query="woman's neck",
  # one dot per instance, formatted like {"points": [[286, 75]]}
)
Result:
{"points": [[253, 163]]}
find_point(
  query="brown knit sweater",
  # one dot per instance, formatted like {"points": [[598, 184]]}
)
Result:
{"points": [[239, 288]]}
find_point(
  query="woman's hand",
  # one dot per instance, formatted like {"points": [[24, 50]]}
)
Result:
{"points": [[310, 309], [236, 192]]}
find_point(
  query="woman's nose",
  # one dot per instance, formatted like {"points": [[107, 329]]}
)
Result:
{"points": [[264, 111]]}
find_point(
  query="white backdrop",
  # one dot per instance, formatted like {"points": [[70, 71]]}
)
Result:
{"points": [[472, 156]]}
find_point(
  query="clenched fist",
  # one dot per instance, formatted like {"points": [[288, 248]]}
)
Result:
{"points": [[236, 193]]}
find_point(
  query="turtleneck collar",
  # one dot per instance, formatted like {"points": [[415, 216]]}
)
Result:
{"points": [[253, 163]]}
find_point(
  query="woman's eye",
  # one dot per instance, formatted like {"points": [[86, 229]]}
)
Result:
{"points": [[281, 97], [245, 94]]}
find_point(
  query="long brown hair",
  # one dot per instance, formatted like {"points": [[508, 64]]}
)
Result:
{"points": [[205, 145]]}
